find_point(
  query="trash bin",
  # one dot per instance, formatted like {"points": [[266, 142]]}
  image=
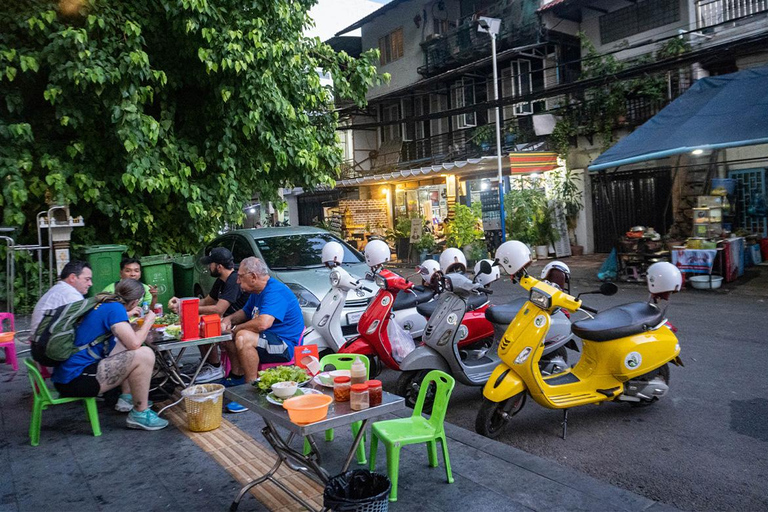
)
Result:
{"points": [[357, 490], [184, 275], [204, 404], [105, 265], [158, 271]]}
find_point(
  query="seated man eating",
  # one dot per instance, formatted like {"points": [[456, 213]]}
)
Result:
{"points": [[268, 327]]}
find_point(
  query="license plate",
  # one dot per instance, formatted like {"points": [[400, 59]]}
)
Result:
{"points": [[353, 318]]}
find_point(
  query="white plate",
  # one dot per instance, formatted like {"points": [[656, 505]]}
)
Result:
{"points": [[271, 398], [301, 384], [317, 380]]}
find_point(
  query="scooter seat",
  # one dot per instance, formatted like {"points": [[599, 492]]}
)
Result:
{"points": [[474, 302], [503, 314], [410, 299], [619, 322]]}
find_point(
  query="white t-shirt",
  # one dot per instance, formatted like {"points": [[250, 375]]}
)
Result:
{"points": [[61, 293]]}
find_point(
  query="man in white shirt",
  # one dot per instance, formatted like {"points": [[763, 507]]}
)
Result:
{"points": [[76, 279]]}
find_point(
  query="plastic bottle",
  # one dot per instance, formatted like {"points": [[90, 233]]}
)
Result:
{"points": [[357, 371], [144, 308]]}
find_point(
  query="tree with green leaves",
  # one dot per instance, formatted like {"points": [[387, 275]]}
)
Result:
{"points": [[156, 120]]}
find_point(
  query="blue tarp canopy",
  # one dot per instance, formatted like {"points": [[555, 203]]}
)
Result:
{"points": [[716, 112]]}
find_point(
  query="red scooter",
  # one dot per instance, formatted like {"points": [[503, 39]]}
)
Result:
{"points": [[373, 337]]}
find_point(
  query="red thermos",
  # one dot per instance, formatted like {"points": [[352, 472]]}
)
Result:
{"points": [[189, 313]]}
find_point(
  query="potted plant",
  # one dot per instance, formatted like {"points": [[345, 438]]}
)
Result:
{"points": [[475, 252], [465, 226], [426, 245], [510, 134], [570, 198], [521, 206], [544, 230], [484, 136], [400, 235]]}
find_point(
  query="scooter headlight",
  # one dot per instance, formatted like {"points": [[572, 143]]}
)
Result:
{"points": [[447, 284], [523, 355], [540, 299], [335, 278], [380, 282]]}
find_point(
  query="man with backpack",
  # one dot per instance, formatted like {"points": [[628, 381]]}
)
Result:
{"points": [[76, 279], [106, 351]]}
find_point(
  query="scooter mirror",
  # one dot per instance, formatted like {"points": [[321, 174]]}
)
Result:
{"points": [[608, 289], [485, 267]]}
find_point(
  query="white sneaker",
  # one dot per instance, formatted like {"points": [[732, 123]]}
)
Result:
{"points": [[124, 403], [209, 373]]}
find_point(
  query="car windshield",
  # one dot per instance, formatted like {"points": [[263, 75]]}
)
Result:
{"points": [[300, 251]]}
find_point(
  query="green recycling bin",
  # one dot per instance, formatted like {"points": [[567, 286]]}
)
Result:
{"points": [[184, 275], [105, 264], [158, 271]]}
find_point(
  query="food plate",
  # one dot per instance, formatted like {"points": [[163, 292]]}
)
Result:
{"points": [[300, 384], [271, 398], [318, 378]]}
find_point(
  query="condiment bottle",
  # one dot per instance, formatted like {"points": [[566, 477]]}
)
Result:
{"points": [[374, 392], [358, 372], [341, 388], [358, 397]]}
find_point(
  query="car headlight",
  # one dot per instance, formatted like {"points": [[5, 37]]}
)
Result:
{"points": [[305, 297], [380, 282], [540, 299], [335, 278]]}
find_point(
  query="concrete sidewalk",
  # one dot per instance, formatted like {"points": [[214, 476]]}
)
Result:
{"points": [[165, 470]]}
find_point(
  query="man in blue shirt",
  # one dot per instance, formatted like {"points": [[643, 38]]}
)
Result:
{"points": [[268, 327]]}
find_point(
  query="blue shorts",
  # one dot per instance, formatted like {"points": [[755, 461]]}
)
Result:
{"points": [[272, 349]]}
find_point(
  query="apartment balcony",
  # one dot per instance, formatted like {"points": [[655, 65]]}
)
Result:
{"points": [[464, 44], [714, 12]]}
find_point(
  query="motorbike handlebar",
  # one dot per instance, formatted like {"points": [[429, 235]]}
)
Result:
{"points": [[366, 289], [587, 308]]}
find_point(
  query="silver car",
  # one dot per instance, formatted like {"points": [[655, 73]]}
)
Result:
{"points": [[293, 255]]}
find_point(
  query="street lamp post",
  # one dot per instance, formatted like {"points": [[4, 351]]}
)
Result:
{"points": [[491, 27]]}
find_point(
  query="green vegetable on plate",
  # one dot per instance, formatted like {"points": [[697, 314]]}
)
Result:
{"points": [[280, 374]]}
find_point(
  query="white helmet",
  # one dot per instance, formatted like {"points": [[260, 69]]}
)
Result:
{"points": [[663, 277], [486, 279], [428, 269], [513, 256], [333, 254], [557, 272], [453, 260], [377, 253]]}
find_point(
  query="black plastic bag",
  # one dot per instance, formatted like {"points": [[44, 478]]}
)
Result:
{"points": [[355, 490]]}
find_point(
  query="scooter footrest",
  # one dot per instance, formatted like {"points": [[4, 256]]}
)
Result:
{"points": [[573, 399]]}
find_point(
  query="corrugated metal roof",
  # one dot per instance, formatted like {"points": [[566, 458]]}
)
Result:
{"points": [[373, 15]]}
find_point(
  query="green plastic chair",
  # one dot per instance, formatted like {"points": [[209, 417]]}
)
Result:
{"points": [[417, 429], [44, 398], [344, 362]]}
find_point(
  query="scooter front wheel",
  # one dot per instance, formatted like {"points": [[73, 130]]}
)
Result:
{"points": [[493, 417], [374, 363]]}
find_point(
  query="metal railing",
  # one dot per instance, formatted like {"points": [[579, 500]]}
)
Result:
{"points": [[713, 12]]}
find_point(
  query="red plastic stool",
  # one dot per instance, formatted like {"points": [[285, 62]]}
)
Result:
{"points": [[7, 340]]}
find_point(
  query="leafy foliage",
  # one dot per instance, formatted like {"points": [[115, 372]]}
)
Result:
{"points": [[568, 195], [464, 229], [158, 119], [523, 207]]}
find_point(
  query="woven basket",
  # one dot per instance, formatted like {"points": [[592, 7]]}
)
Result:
{"points": [[204, 405]]}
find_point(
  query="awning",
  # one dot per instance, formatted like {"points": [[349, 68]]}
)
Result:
{"points": [[533, 161], [715, 113], [458, 167]]}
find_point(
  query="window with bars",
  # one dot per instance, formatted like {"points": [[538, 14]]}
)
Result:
{"points": [[463, 95], [391, 46], [638, 18]]}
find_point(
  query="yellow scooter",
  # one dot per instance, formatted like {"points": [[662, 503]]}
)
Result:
{"points": [[625, 349]]}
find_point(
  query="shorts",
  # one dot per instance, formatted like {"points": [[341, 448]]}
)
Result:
{"points": [[272, 349], [84, 385]]}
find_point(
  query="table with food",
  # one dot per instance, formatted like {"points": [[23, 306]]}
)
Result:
{"points": [[289, 399]]}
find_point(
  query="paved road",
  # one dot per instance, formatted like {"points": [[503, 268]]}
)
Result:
{"points": [[705, 445]]}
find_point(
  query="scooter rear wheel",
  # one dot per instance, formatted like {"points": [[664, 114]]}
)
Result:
{"points": [[409, 386], [493, 417]]}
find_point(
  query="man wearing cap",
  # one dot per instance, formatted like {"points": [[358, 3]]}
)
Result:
{"points": [[224, 299]]}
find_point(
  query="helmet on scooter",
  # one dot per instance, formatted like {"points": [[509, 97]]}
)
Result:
{"points": [[377, 253], [486, 279], [453, 260], [333, 254], [557, 272], [429, 270], [514, 256], [663, 278]]}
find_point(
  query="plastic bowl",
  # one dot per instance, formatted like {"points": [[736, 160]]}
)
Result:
{"points": [[327, 377], [284, 389], [704, 283], [307, 408]]}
